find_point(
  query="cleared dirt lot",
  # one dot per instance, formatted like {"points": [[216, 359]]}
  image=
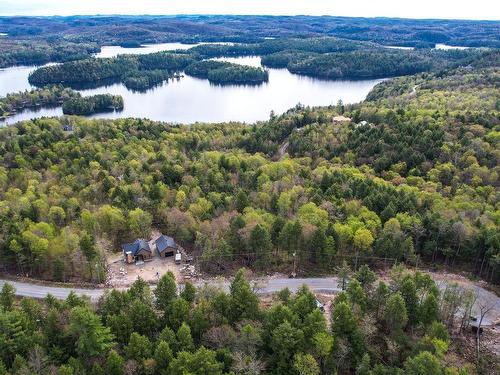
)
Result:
{"points": [[122, 275]]}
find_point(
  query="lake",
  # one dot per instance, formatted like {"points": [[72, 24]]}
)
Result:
{"points": [[446, 46], [190, 99], [112, 51]]}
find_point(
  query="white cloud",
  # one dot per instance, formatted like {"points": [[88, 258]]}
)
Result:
{"points": [[479, 9]]}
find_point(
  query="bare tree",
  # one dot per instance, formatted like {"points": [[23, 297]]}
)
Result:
{"points": [[247, 364], [484, 306], [468, 301], [451, 300]]}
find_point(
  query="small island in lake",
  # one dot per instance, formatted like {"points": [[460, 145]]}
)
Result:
{"points": [[72, 102], [88, 105], [222, 72]]}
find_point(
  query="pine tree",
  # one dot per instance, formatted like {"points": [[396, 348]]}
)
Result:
{"points": [[138, 348], [7, 296], [189, 292], [163, 356], [184, 338], [165, 291], [244, 302], [260, 244], [114, 363]]}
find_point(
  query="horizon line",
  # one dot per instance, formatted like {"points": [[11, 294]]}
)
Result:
{"points": [[239, 15]]}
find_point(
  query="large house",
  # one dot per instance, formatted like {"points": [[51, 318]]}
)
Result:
{"points": [[136, 251], [142, 250], [165, 246]]}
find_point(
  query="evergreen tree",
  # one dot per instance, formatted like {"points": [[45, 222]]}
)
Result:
{"points": [[428, 310], [423, 363], [138, 348], [244, 302], [165, 291], [163, 356], [260, 244], [285, 342], [184, 338], [92, 338], [189, 292], [396, 316], [7, 296], [114, 364], [305, 364]]}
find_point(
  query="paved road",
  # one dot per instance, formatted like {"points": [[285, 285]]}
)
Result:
{"points": [[40, 291], [325, 285], [261, 286]]}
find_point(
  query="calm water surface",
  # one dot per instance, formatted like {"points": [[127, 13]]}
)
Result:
{"points": [[190, 99], [445, 46], [112, 51]]}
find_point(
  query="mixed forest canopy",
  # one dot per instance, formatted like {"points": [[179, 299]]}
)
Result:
{"points": [[407, 178], [53, 95], [136, 72], [413, 176], [70, 38], [376, 327], [329, 58], [88, 105]]}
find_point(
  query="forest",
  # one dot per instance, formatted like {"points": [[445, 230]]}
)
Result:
{"points": [[412, 177], [328, 58], [394, 327], [38, 40], [88, 105], [372, 192], [363, 64], [47, 96], [221, 72], [136, 72], [53, 95], [142, 72]]}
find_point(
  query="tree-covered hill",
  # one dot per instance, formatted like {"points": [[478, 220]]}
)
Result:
{"points": [[414, 175], [38, 40]]}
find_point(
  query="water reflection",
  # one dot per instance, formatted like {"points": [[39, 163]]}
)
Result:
{"points": [[190, 99]]}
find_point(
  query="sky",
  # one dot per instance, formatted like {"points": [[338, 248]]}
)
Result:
{"points": [[450, 9]]}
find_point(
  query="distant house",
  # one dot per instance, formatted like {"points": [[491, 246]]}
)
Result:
{"points": [[341, 119], [362, 123], [137, 251], [165, 246]]}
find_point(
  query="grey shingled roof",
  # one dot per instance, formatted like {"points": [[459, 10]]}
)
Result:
{"points": [[163, 242], [136, 246]]}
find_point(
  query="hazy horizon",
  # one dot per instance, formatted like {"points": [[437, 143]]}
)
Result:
{"points": [[424, 9]]}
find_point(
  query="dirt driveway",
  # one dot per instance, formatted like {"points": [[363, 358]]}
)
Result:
{"points": [[123, 275]]}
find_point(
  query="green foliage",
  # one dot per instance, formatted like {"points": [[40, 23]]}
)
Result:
{"points": [[93, 338], [396, 315], [136, 72], [166, 291], [88, 105], [221, 72], [189, 292], [305, 364], [184, 338], [46, 96], [240, 335], [423, 364], [138, 348], [114, 363], [244, 303], [7, 296], [201, 362]]}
